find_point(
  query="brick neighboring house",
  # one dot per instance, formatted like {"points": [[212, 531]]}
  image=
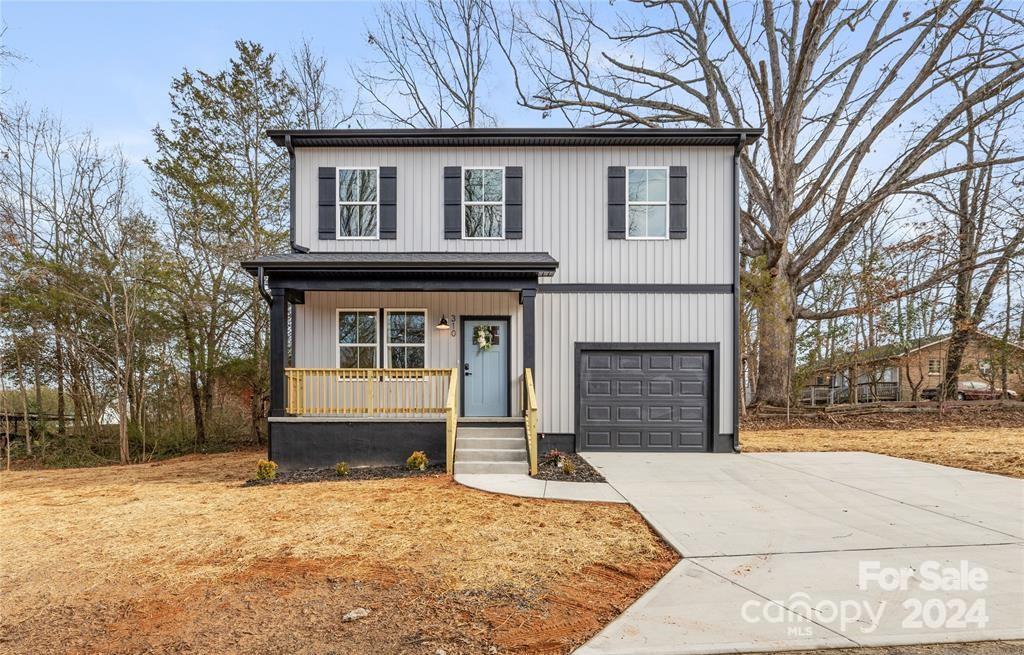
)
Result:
{"points": [[894, 372]]}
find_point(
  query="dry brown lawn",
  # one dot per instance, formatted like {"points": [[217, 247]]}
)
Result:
{"points": [[992, 450], [180, 557]]}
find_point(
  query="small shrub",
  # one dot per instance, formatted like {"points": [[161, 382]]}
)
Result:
{"points": [[553, 455], [341, 468], [417, 461], [266, 470], [567, 466]]}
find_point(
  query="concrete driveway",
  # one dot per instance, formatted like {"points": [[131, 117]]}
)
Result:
{"points": [[787, 551]]}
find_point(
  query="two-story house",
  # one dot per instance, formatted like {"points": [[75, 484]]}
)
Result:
{"points": [[481, 294]]}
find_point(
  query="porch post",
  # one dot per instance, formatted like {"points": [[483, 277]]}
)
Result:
{"points": [[527, 297], [278, 337]]}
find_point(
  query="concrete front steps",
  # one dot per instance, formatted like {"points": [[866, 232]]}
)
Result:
{"points": [[490, 450]]}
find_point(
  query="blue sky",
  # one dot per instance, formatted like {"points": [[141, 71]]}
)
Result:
{"points": [[107, 66]]}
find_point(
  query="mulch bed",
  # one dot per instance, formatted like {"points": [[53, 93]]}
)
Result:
{"points": [[363, 473], [547, 469]]}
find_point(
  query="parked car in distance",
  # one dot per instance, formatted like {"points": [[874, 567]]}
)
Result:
{"points": [[968, 390]]}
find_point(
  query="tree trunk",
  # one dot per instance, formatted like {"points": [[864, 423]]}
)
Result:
{"points": [[122, 423], [193, 382], [954, 360], [37, 382], [24, 401], [59, 374], [1004, 347], [776, 330]]}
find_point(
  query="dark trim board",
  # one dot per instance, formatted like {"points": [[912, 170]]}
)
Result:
{"points": [[722, 289], [737, 357], [565, 442], [414, 282], [723, 443], [514, 137], [311, 443], [462, 362], [714, 349], [523, 263]]}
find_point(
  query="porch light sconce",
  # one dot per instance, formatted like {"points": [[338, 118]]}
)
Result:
{"points": [[443, 324]]}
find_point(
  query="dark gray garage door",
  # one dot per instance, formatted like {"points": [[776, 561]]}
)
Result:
{"points": [[644, 400]]}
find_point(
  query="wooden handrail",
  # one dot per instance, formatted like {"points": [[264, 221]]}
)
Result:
{"points": [[451, 413], [368, 391], [530, 418]]}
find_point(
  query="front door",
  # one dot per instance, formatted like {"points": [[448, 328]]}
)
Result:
{"points": [[485, 353]]}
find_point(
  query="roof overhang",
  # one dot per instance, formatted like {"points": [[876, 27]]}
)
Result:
{"points": [[514, 137], [508, 263], [403, 271]]}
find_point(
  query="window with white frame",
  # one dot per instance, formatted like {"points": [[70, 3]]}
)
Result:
{"points": [[405, 338], [483, 203], [358, 203], [647, 203], [357, 338], [934, 367]]}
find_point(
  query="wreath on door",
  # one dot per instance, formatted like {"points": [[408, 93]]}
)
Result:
{"points": [[483, 337]]}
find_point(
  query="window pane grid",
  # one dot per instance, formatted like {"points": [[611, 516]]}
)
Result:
{"points": [[357, 202], [647, 203], [357, 339], [406, 339], [483, 199]]}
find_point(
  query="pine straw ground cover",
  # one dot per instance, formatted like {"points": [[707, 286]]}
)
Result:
{"points": [[991, 450], [180, 557]]}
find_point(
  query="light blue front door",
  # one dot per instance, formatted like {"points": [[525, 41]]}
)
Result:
{"points": [[485, 369]]}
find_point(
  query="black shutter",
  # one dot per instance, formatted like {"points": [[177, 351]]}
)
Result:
{"points": [[677, 202], [328, 195], [388, 202], [616, 202], [452, 202], [513, 202]]}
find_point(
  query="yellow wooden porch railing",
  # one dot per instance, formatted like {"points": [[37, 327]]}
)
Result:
{"points": [[369, 391], [451, 414], [530, 417]]}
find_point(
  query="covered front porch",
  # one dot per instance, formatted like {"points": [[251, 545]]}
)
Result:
{"points": [[374, 355]]}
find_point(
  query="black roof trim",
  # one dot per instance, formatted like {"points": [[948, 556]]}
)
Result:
{"points": [[516, 136], [535, 263]]}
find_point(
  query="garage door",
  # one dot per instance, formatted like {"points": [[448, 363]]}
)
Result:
{"points": [[644, 400]]}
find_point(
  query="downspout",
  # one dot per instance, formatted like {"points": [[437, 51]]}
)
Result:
{"points": [[737, 357], [261, 287], [270, 301], [291, 232], [291, 196]]}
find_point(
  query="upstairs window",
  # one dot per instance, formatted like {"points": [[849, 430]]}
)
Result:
{"points": [[647, 203], [357, 338], [934, 367], [358, 203], [483, 203], [406, 338]]}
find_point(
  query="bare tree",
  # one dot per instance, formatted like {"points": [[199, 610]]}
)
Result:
{"points": [[7, 56], [857, 101], [979, 211], [429, 61], [319, 104]]}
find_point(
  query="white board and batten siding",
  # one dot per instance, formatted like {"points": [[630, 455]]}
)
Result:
{"points": [[565, 209], [316, 327], [565, 193], [564, 319]]}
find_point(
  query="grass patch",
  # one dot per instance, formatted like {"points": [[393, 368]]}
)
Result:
{"points": [[180, 555], [991, 450]]}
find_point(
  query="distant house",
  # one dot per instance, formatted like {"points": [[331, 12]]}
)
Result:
{"points": [[896, 372]]}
